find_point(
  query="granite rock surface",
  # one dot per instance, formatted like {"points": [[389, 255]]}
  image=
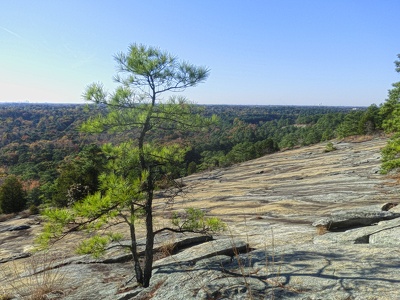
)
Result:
{"points": [[270, 249]]}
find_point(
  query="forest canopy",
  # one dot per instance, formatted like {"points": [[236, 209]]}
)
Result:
{"points": [[42, 144]]}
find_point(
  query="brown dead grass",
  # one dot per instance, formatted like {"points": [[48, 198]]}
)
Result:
{"points": [[395, 179], [6, 217], [34, 279], [358, 138], [168, 247], [152, 291], [321, 230]]}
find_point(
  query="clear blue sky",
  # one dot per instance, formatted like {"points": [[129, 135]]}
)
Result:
{"points": [[295, 52]]}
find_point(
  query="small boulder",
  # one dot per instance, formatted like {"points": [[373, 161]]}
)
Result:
{"points": [[14, 257], [384, 233], [194, 254], [20, 227], [386, 237], [14, 228], [346, 220]]}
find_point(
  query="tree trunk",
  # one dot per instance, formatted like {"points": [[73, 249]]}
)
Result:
{"points": [[135, 256], [148, 266]]}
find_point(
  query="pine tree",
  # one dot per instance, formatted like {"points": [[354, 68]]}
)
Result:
{"points": [[136, 167]]}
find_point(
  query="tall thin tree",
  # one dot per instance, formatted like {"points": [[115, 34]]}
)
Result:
{"points": [[146, 75]]}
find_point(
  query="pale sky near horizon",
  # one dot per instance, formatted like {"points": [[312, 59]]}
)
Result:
{"points": [[261, 52]]}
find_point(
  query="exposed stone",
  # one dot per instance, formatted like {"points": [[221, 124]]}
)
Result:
{"points": [[271, 211], [194, 254], [301, 272], [14, 257], [116, 254], [22, 227], [386, 237], [354, 219], [395, 208], [384, 233], [15, 228], [162, 242]]}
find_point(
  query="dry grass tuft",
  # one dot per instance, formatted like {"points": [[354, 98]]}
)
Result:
{"points": [[6, 217], [167, 248], [321, 230], [358, 138], [38, 277], [25, 214], [152, 291], [396, 179], [5, 296]]}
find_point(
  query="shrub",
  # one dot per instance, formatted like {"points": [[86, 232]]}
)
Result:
{"points": [[34, 210], [12, 196], [192, 167], [330, 147], [195, 220]]}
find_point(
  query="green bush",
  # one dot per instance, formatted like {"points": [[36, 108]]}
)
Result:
{"points": [[12, 196], [330, 147], [34, 210], [192, 167], [194, 219]]}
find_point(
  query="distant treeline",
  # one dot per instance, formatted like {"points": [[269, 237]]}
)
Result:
{"points": [[41, 143]]}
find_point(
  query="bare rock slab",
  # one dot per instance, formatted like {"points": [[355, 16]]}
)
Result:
{"points": [[384, 233], [287, 272], [386, 237], [354, 219], [194, 254]]}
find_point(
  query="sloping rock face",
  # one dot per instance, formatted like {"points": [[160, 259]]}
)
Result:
{"points": [[282, 194], [270, 250], [301, 272]]}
